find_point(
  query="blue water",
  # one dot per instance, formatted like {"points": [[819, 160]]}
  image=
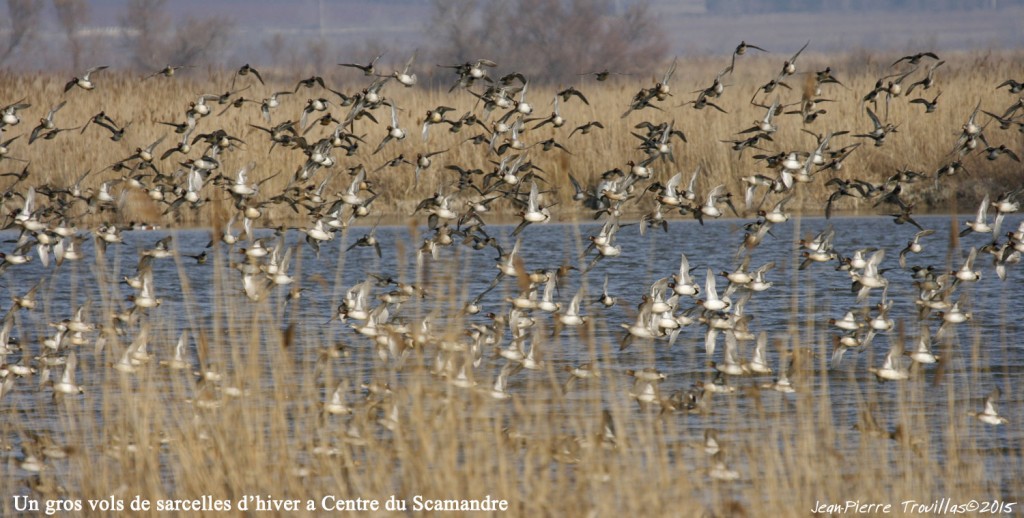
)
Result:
{"points": [[986, 350]]}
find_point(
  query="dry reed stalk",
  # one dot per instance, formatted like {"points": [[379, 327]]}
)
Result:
{"points": [[923, 142]]}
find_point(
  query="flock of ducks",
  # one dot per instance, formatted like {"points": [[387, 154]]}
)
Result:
{"points": [[336, 131]]}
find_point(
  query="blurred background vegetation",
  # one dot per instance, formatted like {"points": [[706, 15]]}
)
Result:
{"points": [[546, 39]]}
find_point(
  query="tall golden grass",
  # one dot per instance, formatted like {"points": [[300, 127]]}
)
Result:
{"points": [[262, 429], [923, 142], [161, 435]]}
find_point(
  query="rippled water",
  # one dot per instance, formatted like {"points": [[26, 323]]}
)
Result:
{"points": [[987, 349]]}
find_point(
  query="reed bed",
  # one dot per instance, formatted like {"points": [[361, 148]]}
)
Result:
{"points": [[262, 427], [923, 141], [255, 412]]}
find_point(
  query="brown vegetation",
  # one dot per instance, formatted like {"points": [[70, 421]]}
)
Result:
{"points": [[923, 141], [263, 429], [253, 421]]}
